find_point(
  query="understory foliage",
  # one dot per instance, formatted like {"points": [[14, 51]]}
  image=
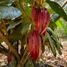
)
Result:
{"points": [[26, 27]]}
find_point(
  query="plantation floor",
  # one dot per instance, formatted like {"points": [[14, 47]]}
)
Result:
{"points": [[59, 61], [48, 58]]}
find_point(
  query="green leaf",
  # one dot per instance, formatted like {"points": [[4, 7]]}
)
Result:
{"points": [[54, 18], [57, 45], [57, 8], [26, 28], [15, 36], [52, 25], [29, 1], [9, 12], [51, 32], [28, 9], [52, 46], [55, 40], [12, 25], [43, 45], [59, 24], [65, 8], [6, 2]]}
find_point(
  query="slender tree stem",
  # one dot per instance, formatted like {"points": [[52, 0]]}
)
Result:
{"points": [[23, 59]]}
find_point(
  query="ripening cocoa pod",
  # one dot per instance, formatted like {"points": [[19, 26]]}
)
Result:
{"points": [[34, 45], [43, 20], [41, 17], [35, 12], [9, 57], [46, 19]]}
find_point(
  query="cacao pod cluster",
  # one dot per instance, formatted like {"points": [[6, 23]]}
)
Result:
{"points": [[41, 19]]}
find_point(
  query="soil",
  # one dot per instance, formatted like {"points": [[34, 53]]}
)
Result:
{"points": [[60, 60], [48, 58]]}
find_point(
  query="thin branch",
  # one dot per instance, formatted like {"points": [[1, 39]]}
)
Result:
{"points": [[23, 59], [64, 4]]}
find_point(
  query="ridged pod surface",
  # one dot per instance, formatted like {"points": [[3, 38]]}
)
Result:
{"points": [[41, 17], [34, 45]]}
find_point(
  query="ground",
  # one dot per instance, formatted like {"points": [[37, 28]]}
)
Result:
{"points": [[59, 61]]}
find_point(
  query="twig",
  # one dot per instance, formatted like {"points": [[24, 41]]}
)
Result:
{"points": [[23, 59]]}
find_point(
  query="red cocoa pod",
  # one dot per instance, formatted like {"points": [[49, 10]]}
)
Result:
{"points": [[35, 12], [9, 57], [34, 45], [46, 20], [43, 20], [41, 17]]}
